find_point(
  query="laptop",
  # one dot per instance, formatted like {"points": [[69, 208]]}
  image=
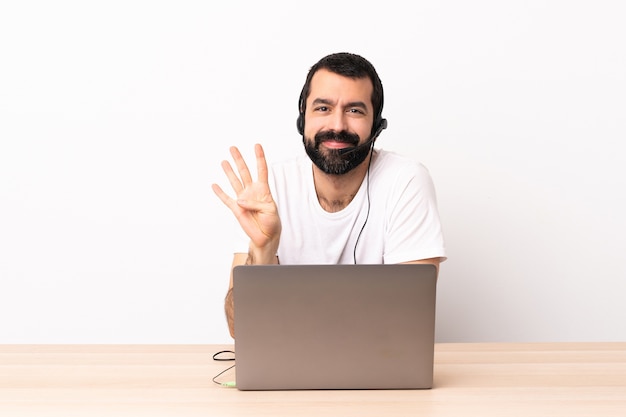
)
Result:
{"points": [[307, 327]]}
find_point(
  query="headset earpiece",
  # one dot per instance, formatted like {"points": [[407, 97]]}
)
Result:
{"points": [[300, 124], [381, 124], [300, 121]]}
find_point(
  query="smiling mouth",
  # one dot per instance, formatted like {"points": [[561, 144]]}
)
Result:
{"points": [[334, 144]]}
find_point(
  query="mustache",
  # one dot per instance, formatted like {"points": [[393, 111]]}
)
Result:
{"points": [[342, 136]]}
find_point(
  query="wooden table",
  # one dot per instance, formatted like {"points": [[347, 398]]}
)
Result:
{"points": [[555, 379]]}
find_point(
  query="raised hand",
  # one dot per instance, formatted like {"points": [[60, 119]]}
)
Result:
{"points": [[253, 205]]}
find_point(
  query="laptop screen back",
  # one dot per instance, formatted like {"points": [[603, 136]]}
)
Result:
{"points": [[334, 326]]}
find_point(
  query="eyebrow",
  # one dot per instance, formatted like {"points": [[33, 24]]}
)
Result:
{"points": [[358, 104]]}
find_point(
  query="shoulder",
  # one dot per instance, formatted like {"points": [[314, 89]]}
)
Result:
{"points": [[391, 164], [400, 178]]}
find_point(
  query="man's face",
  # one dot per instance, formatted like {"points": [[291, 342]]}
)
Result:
{"points": [[338, 117]]}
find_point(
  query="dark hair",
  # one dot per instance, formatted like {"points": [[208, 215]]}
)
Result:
{"points": [[347, 65]]}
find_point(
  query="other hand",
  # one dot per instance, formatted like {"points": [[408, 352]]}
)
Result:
{"points": [[253, 206]]}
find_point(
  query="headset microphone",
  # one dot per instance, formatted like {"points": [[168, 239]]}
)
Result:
{"points": [[381, 125], [357, 148]]}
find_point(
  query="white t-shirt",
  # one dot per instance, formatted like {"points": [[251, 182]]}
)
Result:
{"points": [[403, 222]]}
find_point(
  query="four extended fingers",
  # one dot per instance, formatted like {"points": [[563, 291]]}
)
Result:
{"points": [[238, 183]]}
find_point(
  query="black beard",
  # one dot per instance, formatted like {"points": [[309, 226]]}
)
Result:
{"points": [[335, 161]]}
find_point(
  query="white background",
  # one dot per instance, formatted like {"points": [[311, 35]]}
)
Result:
{"points": [[114, 117]]}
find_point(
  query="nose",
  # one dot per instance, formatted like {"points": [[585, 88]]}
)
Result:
{"points": [[338, 121]]}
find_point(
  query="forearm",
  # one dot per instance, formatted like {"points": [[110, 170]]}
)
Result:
{"points": [[251, 258], [229, 309]]}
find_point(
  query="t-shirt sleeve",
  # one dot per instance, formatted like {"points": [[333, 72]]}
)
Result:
{"points": [[413, 229]]}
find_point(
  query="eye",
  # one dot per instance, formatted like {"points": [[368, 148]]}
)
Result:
{"points": [[321, 109], [355, 110]]}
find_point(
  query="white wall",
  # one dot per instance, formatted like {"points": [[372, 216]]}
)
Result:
{"points": [[114, 117]]}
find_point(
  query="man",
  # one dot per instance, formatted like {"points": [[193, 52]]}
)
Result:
{"points": [[346, 203]]}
